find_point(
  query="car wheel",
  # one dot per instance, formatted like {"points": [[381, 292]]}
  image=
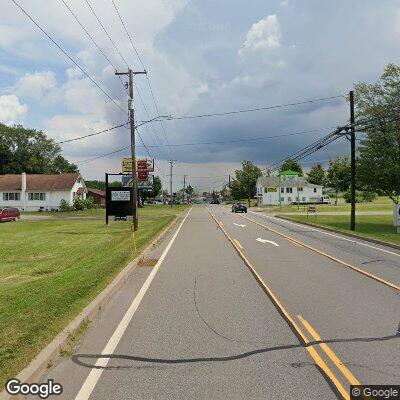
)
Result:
{"points": [[246, 211]]}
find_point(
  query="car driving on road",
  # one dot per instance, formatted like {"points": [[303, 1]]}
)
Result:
{"points": [[9, 214], [239, 207]]}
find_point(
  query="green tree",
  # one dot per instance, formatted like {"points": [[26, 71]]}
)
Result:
{"points": [[339, 174], [189, 190], [244, 184], [378, 166], [30, 151], [316, 174], [291, 165]]}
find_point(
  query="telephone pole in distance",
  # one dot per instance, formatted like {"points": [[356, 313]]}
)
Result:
{"points": [[170, 181], [131, 109], [353, 163]]}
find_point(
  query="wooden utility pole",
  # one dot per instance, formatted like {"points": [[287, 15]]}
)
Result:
{"points": [[184, 187], [170, 181], [131, 109], [353, 163]]}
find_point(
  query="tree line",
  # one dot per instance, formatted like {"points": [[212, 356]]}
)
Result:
{"points": [[30, 151]]}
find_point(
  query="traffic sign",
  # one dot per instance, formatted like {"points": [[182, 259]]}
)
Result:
{"points": [[141, 165]]}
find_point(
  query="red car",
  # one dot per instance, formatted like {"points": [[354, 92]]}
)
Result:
{"points": [[9, 214]]}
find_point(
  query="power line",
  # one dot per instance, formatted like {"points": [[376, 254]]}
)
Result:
{"points": [[68, 56], [91, 38], [106, 32], [92, 134], [135, 50], [247, 139], [254, 109]]}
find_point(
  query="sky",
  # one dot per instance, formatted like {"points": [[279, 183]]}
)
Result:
{"points": [[202, 57]]}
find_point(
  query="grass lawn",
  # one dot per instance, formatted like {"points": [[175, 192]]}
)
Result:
{"points": [[51, 269], [379, 204], [374, 226]]}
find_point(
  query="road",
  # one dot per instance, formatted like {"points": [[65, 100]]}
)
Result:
{"points": [[244, 307]]}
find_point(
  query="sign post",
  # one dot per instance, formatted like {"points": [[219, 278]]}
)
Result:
{"points": [[119, 201]]}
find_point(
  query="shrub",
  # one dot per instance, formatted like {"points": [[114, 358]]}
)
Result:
{"points": [[365, 196], [89, 203], [79, 204], [64, 206]]}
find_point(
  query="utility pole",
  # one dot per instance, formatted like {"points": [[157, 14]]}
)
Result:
{"points": [[229, 184], [184, 187], [131, 109], [353, 163], [170, 181]]}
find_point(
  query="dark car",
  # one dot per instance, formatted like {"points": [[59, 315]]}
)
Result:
{"points": [[9, 214], [214, 201], [239, 207]]}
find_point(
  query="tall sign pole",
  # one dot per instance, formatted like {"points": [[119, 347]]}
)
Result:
{"points": [[353, 163], [131, 109]]}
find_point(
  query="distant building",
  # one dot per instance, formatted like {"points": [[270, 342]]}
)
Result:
{"points": [[34, 192], [98, 196], [287, 188]]}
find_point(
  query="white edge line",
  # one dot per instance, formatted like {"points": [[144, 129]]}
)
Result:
{"points": [[329, 234], [95, 373]]}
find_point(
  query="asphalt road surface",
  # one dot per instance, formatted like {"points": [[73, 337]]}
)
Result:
{"points": [[244, 307]]}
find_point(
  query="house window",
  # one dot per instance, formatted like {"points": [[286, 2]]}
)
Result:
{"points": [[300, 189], [265, 190], [303, 199], [315, 190], [37, 196], [11, 196], [282, 190], [289, 190]]}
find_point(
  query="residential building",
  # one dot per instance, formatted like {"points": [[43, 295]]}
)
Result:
{"points": [[98, 196], [287, 188], [40, 192]]}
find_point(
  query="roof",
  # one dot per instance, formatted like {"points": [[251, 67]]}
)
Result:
{"points": [[43, 182], [273, 181], [96, 191], [289, 172]]}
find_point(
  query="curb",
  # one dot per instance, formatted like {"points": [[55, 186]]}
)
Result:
{"points": [[354, 236], [39, 365]]}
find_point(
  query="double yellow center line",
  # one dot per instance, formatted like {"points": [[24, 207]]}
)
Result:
{"points": [[309, 345]]}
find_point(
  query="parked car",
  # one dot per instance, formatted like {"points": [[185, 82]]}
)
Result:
{"points": [[9, 214], [239, 207]]}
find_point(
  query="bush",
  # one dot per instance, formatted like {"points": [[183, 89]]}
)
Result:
{"points": [[79, 204], [89, 203], [365, 196], [64, 206]]}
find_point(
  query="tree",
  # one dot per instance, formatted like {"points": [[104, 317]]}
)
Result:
{"points": [[291, 165], [244, 184], [157, 187], [378, 166], [339, 174], [30, 151], [189, 190], [316, 174]]}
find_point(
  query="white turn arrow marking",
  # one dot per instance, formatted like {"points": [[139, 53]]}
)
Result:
{"points": [[267, 241], [241, 225]]}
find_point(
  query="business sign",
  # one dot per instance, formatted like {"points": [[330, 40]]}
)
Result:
{"points": [[141, 165], [272, 189], [396, 214], [148, 184], [119, 201], [145, 165], [143, 176], [126, 165], [120, 195]]}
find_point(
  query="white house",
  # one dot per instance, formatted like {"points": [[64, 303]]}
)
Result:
{"points": [[287, 188], [31, 192]]}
